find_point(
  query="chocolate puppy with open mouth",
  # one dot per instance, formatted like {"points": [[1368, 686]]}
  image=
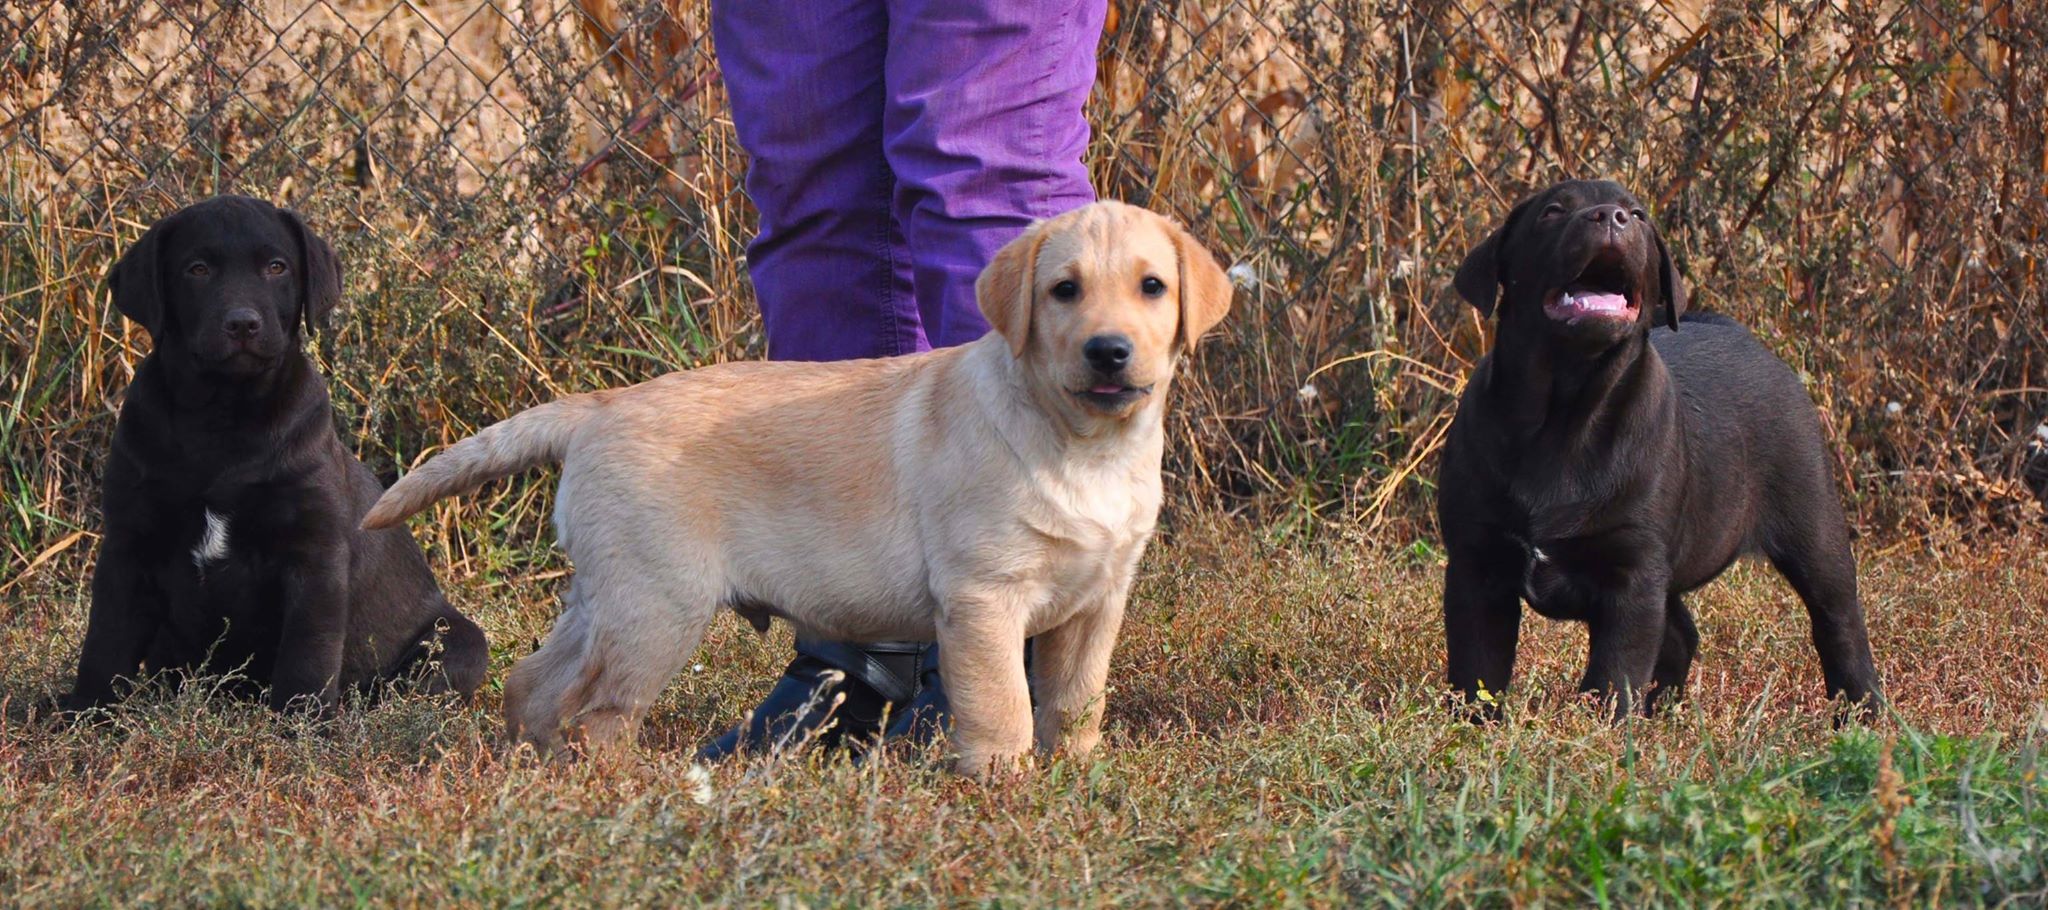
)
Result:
{"points": [[1601, 466]]}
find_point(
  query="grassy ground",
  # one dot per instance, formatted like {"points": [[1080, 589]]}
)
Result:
{"points": [[1859, 182], [1275, 737]]}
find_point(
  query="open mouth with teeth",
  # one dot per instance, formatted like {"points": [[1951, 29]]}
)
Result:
{"points": [[1111, 396], [1602, 291]]}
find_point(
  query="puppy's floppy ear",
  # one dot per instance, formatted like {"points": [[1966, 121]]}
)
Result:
{"points": [[134, 281], [320, 281], [1674, 287], [1004, 288], [1478, 278], [1204, 286]]}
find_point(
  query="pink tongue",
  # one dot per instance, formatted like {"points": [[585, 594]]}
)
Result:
{"points": [[1107, 389], [1602, 301]]}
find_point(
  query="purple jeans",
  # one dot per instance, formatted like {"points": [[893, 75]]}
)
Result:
{"points": [[895, 145]]}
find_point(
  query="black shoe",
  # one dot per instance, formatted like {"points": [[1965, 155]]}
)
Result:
{"points": [[920, 722], [867, 681]]}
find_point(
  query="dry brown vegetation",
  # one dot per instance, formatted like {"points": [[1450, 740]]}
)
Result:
{"points": [[540, 196], [1275, 737], [537, 196]]}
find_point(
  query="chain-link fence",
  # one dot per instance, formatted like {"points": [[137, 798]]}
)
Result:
{"points": [[535, 196]]}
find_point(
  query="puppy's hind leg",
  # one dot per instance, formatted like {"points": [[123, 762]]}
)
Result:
{"points": [[1674, 661], [537, 684], [1812, 551], [632, 630]]}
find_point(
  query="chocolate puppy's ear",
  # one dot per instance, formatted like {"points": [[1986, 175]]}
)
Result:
{"points": [[320, 278], [1478, 278], [135, 281], [1674, 287]]}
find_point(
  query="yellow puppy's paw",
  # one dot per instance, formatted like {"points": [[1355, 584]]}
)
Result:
{"points": [[992, 766]]}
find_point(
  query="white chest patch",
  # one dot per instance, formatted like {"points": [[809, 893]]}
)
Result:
{"points": [[213, 543]]}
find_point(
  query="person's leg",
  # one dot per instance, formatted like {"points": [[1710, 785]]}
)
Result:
{"points": [[829, 264], [985, 134], [945, 122], [832, 274]]}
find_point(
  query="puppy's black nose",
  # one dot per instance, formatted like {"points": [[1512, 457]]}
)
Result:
{"points": [[1107, 353], [1608, 214], [242, 324]]}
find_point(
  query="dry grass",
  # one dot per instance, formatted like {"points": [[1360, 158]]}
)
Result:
{"points": [[1275, 737], [527, 202], [520, 214]]}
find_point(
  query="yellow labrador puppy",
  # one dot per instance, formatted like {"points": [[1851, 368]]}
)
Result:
{"points": [[974, 495]]}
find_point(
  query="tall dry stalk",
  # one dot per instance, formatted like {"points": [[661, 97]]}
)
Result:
{"points": [[541, 195]]}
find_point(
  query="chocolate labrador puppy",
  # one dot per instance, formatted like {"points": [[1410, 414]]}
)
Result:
{"points": [[230, 506], [1599, 467]]}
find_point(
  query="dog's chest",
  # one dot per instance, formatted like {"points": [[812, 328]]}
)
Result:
{"points": [[1100, 508], [1094, 531], [220, 554], [1562, 577], [211, 547], [1547, 585]]}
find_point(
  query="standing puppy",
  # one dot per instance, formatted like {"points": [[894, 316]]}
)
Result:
{"points": [[1599, 468], [976, 494], [230, 538]]}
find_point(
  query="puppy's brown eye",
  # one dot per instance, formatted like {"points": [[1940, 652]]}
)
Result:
{"points": [[1066, 290], [197, 270], [1552, 209], [1152, 287], [276, 267], [1639, 214]]}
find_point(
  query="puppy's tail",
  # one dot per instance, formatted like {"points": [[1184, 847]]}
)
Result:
{"points": [[537, 435]]}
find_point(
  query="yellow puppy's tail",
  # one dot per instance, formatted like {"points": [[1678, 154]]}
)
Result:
{"points": [[537, 435]]}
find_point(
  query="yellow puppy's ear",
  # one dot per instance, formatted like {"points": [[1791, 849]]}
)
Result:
{"points": [[1204, 287], [1004, 289]]}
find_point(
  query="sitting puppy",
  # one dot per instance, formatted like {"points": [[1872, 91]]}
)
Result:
{"points": [[230, 538], [977, 495], [1599, 468]]}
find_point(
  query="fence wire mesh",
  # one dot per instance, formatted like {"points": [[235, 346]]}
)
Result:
{"points": [[537, 196]]}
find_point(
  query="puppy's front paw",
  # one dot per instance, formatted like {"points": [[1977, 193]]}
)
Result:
{"points": [[1479, 707], [62, 710], [989, 766], [48, 710], [1857, 710]]}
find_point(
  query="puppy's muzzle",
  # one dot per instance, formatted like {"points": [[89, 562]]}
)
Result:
{"points": [[1107, 354], [241, 324], [1108, 357], [1604, 288], [1613, 216]]}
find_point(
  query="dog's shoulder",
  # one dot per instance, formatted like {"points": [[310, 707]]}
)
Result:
{"points": [[1472, 474], [145, 409], [1477, 415]]}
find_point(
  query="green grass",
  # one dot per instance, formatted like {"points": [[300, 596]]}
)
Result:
{"points": [[1276, 737]]}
